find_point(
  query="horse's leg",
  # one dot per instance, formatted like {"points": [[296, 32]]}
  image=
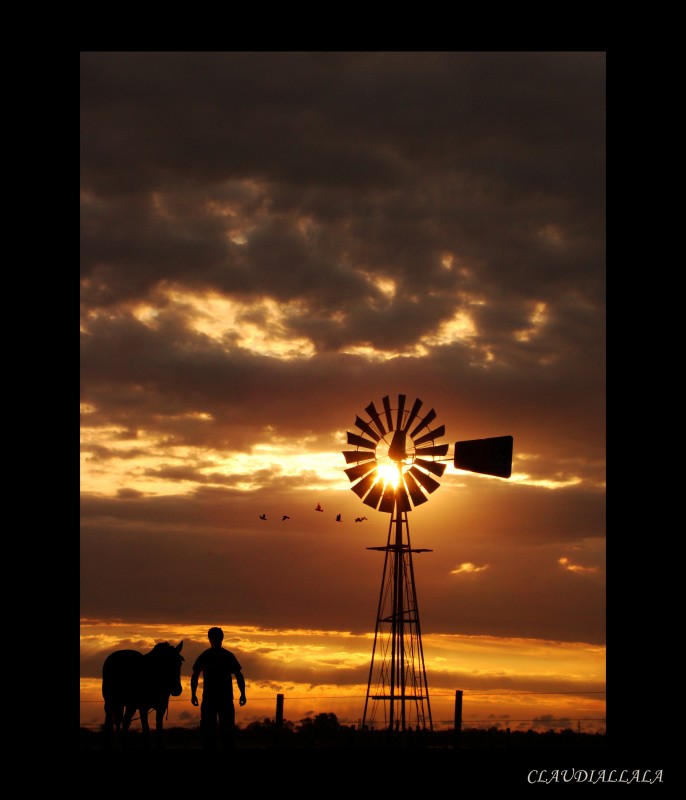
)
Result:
{"points": [[129, 711], [108, 727], [117, 715], [159, 725], [145, 726]]}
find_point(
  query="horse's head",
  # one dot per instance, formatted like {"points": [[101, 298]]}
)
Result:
{"points": [[168, 660]]}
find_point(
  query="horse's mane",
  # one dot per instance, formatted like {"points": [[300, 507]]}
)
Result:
{"points": [[164, 647]]}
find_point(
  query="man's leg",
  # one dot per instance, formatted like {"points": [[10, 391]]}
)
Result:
{"points": [[227, 725], [208, 724]]}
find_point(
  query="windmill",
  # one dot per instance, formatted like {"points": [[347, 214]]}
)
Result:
{"points": [[396, 465]]}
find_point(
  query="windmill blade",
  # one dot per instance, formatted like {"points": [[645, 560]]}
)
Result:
{"points": [[372, 499], [431, 435], [397, 451], [426, 480], [387, 503], [365, 427], [417, 495], [428, 419], [436, 450], [360, 470], [356, 455], [360, 441], [413, 413], [491, 456], [401, 410], [364, 485], [374, 414], [402, 499], [431, 466], [387, 409]]}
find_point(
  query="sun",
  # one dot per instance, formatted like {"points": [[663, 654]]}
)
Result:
{"points": [[389, 474]]}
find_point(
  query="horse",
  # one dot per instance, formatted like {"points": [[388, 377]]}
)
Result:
{"points": [[135, 681]]}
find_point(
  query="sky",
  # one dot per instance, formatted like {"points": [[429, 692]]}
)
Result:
{"points": [[271, 241]]}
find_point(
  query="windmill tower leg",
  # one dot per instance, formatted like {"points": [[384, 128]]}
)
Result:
{"points": [[397, 675]]}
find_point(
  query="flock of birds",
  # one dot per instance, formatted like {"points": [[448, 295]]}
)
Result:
{"points": [[318, 508]]}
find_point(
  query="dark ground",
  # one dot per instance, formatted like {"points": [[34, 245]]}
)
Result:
{"points": [[485, 759]]}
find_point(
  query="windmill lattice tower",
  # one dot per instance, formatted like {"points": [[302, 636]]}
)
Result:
{"points": [[397, 461]]}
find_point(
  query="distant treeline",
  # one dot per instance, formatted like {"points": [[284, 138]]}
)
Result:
{"points": [[324, 730]]}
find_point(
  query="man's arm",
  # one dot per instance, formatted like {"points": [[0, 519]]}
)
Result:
{"points": [[240, 681], [194, 688]]}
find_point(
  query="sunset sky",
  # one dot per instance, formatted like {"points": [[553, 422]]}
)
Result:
{"points": [[270, 242]]}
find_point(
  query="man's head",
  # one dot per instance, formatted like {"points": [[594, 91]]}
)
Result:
{"points": [[215, 635]]}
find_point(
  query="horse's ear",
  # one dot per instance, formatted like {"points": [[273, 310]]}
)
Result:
{"points": [[179, 646]]}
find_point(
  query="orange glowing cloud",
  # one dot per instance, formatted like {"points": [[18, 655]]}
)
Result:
{"points": [[565, 563], [467, 568]]}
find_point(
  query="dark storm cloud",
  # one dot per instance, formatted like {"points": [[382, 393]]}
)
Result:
{"points": [[479, 153], [293, 114], [372, 197]]}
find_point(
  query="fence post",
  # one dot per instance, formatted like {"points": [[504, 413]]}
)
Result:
{"points": [[457, 731], [279, 718]]}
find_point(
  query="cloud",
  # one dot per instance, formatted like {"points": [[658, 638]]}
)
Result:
{"points": [[467, 569], [566, 564]]}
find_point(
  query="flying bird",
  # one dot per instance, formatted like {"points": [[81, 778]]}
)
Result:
{"points": [[359, 519], [338, 517], [319, 508], [263, 516], [284, 517]]}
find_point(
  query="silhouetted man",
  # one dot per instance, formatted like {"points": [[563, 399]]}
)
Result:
{"points": [[217, 666]]}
